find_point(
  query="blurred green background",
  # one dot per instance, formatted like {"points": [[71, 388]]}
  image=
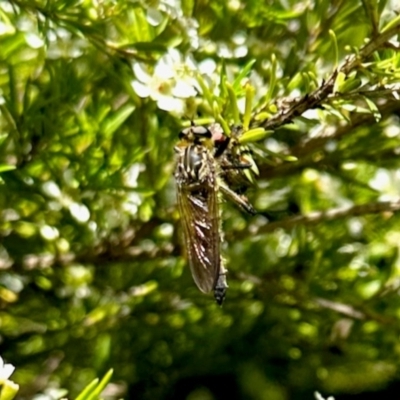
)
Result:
{"points": [[93, 276]]}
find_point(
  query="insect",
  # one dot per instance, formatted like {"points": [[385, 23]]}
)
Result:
{"points": [[197, 188], [204, 157]]}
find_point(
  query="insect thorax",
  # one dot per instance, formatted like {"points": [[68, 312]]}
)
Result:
{"points": [[195, 165]]}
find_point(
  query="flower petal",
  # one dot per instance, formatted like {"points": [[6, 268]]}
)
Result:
{"points": [[154, 17], [6, 371], [140, 89], [164, 69], [183, 90], [141, 73], [168, 103]]}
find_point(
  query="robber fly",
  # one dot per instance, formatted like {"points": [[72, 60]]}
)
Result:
{"points": [[196, 176], [204, 158]]}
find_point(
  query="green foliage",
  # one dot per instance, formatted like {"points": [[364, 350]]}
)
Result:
{"points": [[94, 389], [92, 268]]}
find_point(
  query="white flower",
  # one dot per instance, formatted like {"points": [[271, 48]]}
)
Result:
{"points": [[319, 397], [5, 371], [183, 89], [387, 183], [171, 82], [132, 175], [51, 189], [172, 8], [207, 66], [80, 212], [157, 86], [152, 86], [154, 17]]}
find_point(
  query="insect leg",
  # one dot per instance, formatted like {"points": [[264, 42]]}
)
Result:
{"points": [[238, 199], [237, 166]]}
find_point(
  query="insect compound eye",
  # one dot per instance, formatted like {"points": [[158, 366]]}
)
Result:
{"points": [[184, 133], [201, 131], [195, 133]]}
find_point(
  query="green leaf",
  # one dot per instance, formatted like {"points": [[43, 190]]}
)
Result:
{"points": [[224, 124], [295, 82], [140, 27], [84, 395], [395, 21], [374, 109], [243, 73], [272, 79], [113, 123], [223, 91], [371, 9], [306, 81], [148, 47], [350, 84], [250, 92], [187, 7], [206, 91], [233, 104], [335, 47], [254, 135], [5, 167], [339, 81], [101, 386]]}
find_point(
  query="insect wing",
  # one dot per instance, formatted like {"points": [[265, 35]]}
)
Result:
{"points": [[198, 207]]}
